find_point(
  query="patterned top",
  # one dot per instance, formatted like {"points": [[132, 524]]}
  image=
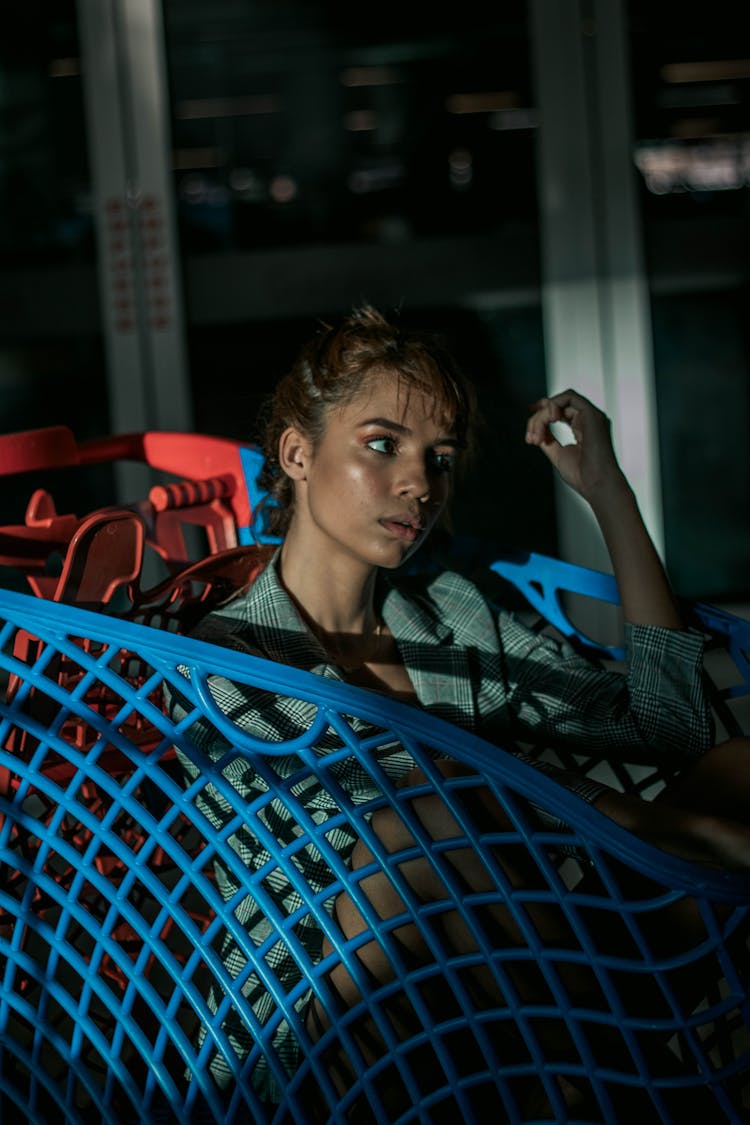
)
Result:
{"points": [[469, 664]]}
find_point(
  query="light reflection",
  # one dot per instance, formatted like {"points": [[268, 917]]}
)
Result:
{"points": [[460, 168], [282, 189], [197, 190], [721, 164], [246, 185], [380, 177], [482, 102], [64, 68], [355, 76], [507, 120], [715, 70]]}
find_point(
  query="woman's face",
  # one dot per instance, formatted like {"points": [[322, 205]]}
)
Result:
{"points": [[379, 477]]}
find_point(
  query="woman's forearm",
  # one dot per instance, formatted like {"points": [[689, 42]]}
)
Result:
{"points": [[695, 836], [645, 591], [589, 466]]}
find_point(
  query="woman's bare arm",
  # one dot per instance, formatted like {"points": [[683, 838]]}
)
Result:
{"points": [[590, 468]]}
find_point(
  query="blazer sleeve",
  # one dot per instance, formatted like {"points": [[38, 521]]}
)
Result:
{"points": [[658, 703]]}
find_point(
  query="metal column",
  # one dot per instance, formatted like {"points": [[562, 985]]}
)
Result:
{"points": [[124, 72], [595, 300]]}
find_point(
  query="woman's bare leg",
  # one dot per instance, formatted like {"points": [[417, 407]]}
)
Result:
{"points": [[716, 788], [496, 922], [428, 885]]}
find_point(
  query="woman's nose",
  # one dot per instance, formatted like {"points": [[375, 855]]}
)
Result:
{"points": [[415, 481]]}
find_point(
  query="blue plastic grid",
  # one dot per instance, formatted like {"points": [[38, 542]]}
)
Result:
{"points": [[111, 923], [544, 581]]}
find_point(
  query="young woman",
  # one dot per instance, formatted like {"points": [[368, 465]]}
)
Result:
{"points": [[362, 440]]}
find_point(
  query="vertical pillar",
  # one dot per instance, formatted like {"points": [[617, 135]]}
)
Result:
{"points": [[124, 71], [626, 311], [594, 295]]}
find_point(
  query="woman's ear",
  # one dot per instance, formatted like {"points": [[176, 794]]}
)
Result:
{"points": [[295, 453]]}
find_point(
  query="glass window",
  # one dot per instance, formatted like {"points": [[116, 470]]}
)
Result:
{"points": [[322, 159], [45, 203], [301, 122], [691, 80], [51, 349]]}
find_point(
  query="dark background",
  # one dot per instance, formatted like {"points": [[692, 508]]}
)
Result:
{"points": [[310, 142]]}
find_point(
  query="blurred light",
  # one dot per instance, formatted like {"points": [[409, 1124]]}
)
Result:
{"points": [[706, 71], [242, 179], [482, 102], [460, 168], [507, 120], [381, 177], [716, 165], [361, 121], [283, 189], [247, 185], [370, 76], [194, 189], [64, 68], [199, 108]]}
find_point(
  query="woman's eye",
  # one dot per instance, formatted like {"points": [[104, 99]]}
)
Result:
{"points": [[443, 462], [382, 445]]}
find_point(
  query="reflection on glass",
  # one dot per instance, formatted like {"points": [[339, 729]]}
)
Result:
{"points": [[52, 364], [692, 108], [691, 83], [712, 164], [300, 122], [45, 197]]}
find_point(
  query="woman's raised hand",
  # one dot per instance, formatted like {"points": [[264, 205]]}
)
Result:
{"points": [[590, 464], [590, 468]]}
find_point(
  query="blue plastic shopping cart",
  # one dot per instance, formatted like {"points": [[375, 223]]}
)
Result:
{"points": [[116, 1003]]}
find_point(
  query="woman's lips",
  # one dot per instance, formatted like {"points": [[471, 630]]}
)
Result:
{"points": [[406, 531]]}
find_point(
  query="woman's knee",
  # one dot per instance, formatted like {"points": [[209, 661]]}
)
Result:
{"points": [[726, 759]]}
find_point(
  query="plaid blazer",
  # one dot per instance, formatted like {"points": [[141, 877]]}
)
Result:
{"points": [[470, 664], [481, 669]]}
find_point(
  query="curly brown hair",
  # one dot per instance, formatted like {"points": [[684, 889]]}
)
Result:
{"points": [[334, 366]]}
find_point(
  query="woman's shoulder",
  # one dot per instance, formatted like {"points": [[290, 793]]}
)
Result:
{"points": [[228, 622], [450, 598], [438, 586]]}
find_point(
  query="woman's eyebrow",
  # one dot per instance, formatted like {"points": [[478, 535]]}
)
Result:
{"points": [[399, 427], [387, 423]]}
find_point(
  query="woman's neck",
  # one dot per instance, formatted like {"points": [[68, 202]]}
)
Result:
{"points": [[338, 598], [337, 601]]}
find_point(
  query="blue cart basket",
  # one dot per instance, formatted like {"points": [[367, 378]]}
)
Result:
{"points": [[148, 974]]}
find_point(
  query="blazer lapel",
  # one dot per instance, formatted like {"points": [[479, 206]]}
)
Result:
{"points": [[438, 668], [280, 630]]}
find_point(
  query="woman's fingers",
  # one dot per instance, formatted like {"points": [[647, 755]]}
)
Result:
{"points": [[563, 407], [588, 461], [541, 415], [584, 419]]}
